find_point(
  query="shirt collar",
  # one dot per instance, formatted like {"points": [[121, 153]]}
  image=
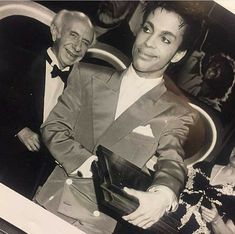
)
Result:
{"points": [[54, 59]]}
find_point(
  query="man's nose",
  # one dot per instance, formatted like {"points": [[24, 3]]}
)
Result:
{"points": [[77, 45], [151, 41]]}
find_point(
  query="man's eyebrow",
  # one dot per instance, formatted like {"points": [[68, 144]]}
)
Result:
{"points": [[74, 32], [162, 33], [150, 23], [168, 33], [84, 39]]}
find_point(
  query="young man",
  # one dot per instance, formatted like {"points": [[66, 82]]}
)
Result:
{"points": [[133, 115], [36, 95]]}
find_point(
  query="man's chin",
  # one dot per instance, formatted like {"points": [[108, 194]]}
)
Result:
{"points": [[138, 68], [70, 62], [140, 71]]}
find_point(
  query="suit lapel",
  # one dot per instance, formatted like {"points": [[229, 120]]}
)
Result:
{"points": [[144, 109], [105, 97]]}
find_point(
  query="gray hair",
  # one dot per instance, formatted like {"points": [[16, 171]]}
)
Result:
{"points": [[63, 16]]}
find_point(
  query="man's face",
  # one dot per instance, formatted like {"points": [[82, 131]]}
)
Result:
{"points": [[157, 43], [73, 41]]}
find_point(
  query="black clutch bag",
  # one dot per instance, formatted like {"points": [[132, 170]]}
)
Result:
{"points": [[111, 173]]}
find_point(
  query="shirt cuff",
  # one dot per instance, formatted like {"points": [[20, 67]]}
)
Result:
{"points": [[173, 201], [84, 169], [16, 135]]}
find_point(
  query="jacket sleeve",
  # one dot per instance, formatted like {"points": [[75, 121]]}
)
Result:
{"points": [[58, 129], [170, 169]]}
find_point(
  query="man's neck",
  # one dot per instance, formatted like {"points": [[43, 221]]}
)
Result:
{"points": [[149, 75]]}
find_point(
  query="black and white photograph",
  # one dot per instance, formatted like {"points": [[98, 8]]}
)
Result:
{"points": [[117, 117]]}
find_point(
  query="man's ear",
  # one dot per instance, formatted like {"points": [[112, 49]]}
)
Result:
{"points": [[54, 32], [178, 56]]}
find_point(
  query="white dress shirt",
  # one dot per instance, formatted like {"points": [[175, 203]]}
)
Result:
{"points": [[132, 88], [53, 86]]}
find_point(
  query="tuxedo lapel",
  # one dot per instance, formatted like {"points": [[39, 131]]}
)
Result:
{"points": [[144, 109], [105, 98]]}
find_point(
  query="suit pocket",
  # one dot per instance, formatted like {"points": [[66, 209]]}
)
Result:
{"points": [[78, 201], [139, 139], [136, 148]]}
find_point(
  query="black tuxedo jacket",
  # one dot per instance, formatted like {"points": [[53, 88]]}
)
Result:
{"points": [[22, 87], [23, 94]]}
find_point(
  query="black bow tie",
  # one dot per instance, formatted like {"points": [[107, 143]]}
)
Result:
{"points": [[57, 72], [62, 74]]}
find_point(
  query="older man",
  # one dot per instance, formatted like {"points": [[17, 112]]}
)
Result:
{"points": [[72, 34], [132, 114]]}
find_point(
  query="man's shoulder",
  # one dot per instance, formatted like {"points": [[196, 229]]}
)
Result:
{"points": [[177, 104], [94, 69], [89, 71]]}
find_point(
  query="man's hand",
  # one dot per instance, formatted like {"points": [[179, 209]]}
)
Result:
{"points": [[29, 138], [152, 207], [210, 215]]}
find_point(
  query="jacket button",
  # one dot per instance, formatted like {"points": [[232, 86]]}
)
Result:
{"points": [[96, 213], [51, 197], [69, 181]]}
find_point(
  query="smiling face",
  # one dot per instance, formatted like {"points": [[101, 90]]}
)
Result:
{"points": [[72, 41], [157, 43]]}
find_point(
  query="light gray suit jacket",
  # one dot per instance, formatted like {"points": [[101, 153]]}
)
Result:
{"points": [[85, 118]]}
